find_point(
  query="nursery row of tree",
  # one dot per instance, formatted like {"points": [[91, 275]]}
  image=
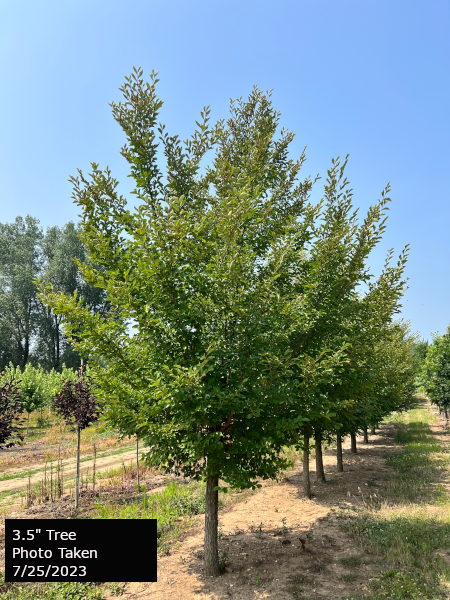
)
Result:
{"points": [[243, 316], [34, 388], [70, 394], [30, 332], [435, 376]]}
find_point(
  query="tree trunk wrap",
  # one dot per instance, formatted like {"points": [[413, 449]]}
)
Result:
{"points": [[77, 478], [340, 464], [353, 443], [211, 548], [306, 479], [320, 473], [366, 437]]}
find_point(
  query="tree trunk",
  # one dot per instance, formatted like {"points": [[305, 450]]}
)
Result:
{"points": [[366, 437], [28, 422], [340, 464], [372, 430], [211, 548], [137, 463], [446, 414], [320, 473], [77, 478], [306, 479], [57, 348], [26, 350], [353, 443]]}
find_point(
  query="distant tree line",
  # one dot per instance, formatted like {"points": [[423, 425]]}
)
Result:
{"points": [[30, 331]]}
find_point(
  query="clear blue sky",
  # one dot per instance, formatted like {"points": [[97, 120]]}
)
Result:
{"points": [[366, 78]]}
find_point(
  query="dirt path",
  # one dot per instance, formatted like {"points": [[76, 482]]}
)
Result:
{"points": [[259, 564], [102, 464]]}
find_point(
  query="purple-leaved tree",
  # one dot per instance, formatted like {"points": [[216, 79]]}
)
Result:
{"points": [[78, 406]]}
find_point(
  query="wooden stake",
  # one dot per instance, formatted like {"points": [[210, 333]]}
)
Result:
{"points": [[93, 471], [137, 462], [77, 478]]}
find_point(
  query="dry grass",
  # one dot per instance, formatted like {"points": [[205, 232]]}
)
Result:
{"points": [[54, 440]]}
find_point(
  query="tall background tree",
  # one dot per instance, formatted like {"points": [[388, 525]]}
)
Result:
{"points": [[20, 263], [61, 250], [31, 332]]}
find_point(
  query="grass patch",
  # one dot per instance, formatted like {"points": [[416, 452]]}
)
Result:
{"points": [[174, 507], [350, 562], [8, 493], [58, 591], [407, 528], [348, 578]]}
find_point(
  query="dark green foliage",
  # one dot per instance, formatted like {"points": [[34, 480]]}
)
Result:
{"points": [[435, 376], [10, 412], [443, 373], [61, 249], [420, 350], [20, 263]]}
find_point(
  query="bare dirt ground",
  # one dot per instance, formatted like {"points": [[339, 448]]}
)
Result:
{"points": [[266, 564]]}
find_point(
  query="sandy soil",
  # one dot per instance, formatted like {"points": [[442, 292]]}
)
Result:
{"points": [[270, 565]]}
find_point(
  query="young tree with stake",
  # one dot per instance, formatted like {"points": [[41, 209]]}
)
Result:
{"points": [[78, 406]]}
